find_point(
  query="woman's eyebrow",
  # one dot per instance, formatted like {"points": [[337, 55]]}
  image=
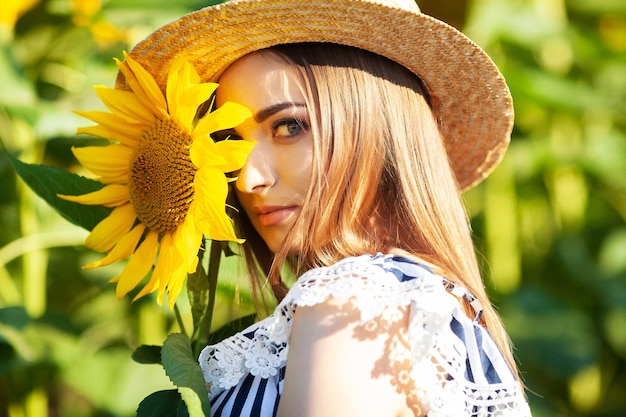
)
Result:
{"points": [[263, 114]]}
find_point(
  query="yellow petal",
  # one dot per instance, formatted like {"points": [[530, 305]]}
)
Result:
{"points": [[143, 84], [175, 265], [109, 196], [104, 160], [235, 154], [125, 104], [189, 101], [210, 215], [115, 178], [172, 91], [106, 133], [187, 75], [138, 266], [205, 152], [110, 230], [190, 259], [181, 77], [122, 250], [192, 75], [112, 127], [186, 237], [175, 289], [227, 116], [162, 271]]}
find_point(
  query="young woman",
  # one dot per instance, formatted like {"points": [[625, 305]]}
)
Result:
{"points": [[368, 120]]}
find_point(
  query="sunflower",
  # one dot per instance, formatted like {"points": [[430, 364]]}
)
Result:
{"points": [[164, 176]]}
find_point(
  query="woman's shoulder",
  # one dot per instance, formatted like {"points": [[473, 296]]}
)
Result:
{"points": [[375, 283], [389, 272]]}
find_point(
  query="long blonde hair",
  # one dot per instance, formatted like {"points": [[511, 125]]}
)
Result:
{"points": [[378, 155]]}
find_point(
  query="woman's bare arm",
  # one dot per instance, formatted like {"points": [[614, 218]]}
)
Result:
{"points": [[337, 367]]}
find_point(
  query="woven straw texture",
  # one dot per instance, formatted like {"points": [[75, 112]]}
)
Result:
{"points": [[470, 97]]}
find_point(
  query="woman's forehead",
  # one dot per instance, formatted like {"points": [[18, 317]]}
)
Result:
{"points": [[259, 80]]}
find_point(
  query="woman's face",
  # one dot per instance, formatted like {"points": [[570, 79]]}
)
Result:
{"points": [[273, 184]]}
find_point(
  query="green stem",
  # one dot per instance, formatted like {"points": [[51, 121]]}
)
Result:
{"points": [[214, 268], [179, 320], [204, 327], [34, 263]]}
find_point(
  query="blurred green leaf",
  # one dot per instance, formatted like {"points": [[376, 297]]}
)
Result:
{"points": [[612, 259], [556, 92], [105, 376], [47, 182], [615, 328], [14, 316], [598, 6], [559, 340], [16, 90], [183, 370], [147, 354]]}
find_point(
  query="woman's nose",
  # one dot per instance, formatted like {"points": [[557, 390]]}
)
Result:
{"points": [[257, 174]]}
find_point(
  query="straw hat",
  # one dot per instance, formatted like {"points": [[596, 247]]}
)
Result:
{"points": [[469, 95]]}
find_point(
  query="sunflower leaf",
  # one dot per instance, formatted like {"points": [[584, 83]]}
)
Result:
{"points": [[183, 370], [166, 403], [47, 182]]}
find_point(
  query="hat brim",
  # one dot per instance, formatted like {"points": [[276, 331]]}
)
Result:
{"points": [[468, 93]]}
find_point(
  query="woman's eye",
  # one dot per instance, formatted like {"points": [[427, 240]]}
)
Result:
{"points": [[287, 128]]}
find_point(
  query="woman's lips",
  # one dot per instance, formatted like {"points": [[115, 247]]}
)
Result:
{"points": [[272, 215]]}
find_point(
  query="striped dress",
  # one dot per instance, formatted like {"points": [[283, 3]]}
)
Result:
{"points": [[457, 369]]}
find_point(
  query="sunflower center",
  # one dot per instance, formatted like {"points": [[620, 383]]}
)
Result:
{"points": [[161, 176]]}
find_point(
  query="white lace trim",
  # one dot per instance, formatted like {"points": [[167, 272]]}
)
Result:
{"points": [[437, 355]]}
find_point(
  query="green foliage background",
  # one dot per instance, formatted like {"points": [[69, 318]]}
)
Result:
{"points": [[549, 221]]}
